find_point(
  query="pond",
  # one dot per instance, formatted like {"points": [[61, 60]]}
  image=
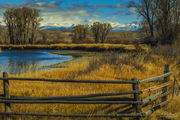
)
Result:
{"points": [[18, 61]]}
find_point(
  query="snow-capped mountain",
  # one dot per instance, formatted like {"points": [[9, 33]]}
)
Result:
{"points": [[56, 28], [128, 27]]}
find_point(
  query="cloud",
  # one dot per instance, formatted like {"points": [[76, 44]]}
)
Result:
{"points": [[7, 5], [134, 22], [4, 6], [78, 6], [85, 5], [108, 6], [119, 12], [50, 12], [42, 5], [115, 17], [133, 10], [131, 4], [63, 18], [129, 11]]}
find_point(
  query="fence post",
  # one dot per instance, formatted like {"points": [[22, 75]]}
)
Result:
{"points": [[174, 86], [6, 92], [136, 96], [166, 79]]}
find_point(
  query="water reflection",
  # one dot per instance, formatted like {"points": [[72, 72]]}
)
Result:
{"points": [[17, 61], [23, 66]]}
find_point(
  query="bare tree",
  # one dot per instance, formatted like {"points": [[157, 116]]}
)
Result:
{"points": [[44, 36], [100, 31], [146, 9], [105, 29], [3, 35], [96, 31], [9, 20], [35, 25], [22, 24], [162, 17], [80, 32], [167, 20]]}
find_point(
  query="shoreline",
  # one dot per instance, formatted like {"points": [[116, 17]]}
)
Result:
{"points": [[85, 47], [78, 57]]}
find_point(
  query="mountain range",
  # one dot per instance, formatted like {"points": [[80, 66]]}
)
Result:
{"points": [[56, 28], [129, 27]]}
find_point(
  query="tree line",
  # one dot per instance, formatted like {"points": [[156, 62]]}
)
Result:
{"points": [[161, 20], [23, 24], [99, 30]]}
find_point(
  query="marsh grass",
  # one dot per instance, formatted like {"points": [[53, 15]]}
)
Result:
{"points": [[19, 68], [98, 67], [88, 47]]}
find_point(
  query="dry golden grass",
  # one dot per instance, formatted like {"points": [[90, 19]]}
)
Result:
{"points": [[114, 67], [92, 47]]}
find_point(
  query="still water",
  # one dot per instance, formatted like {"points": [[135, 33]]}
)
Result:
{"points": [[17, 61]]}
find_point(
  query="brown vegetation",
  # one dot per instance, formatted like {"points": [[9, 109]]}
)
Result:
{"points": [[23, 24], [100, 31], [160, 19], [88, 47], [97, 67], [80, 33]]}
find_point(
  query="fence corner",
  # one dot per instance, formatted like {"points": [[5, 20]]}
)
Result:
{"points": [[135, 87]]}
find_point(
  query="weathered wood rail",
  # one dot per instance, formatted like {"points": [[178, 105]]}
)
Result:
{"points": [[105, 98], [174, 87]]}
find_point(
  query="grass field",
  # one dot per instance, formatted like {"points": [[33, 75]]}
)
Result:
{"points": [[95, 67]]}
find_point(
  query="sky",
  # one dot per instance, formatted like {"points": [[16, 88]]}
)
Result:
{"points": [[66, 13]]}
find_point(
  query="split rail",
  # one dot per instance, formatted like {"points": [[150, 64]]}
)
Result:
{"points": [[161, 96]]}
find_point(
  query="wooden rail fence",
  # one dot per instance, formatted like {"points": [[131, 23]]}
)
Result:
{"points": [[174, 87], [105, 98]]}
